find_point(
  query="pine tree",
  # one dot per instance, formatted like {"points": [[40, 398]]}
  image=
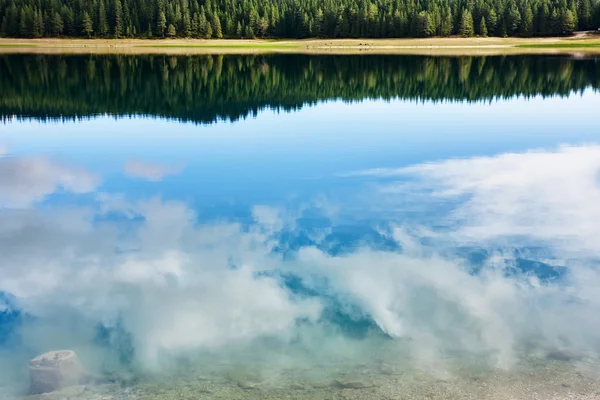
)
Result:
{"points": [[318, 27], [202, 24], [567, 23], [249, 32], [446, 23], [187, 24], [171, 32], [161, 24], [23, 28], [295, 18], [118, 14], [37, 22], [492, 22], [216, 27], [102, 22], [466, 24], [195, 25], [209, 31], [57, 25], [527, 22], [424, 25], [585, 14], [86, 24], [263, 27], [513, 19], [483, 31]]}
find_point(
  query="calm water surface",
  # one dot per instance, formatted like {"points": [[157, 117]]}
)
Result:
{"points": [[306, 227]]}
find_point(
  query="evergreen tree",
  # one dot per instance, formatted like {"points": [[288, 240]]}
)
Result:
{"points": [[161, 24], [295, 18], [513, 19], [171, 32], [466, 24], [216, 27], [526, 28], [202, 25], [24, 24], [249, 32], [57, 25], [86, 25], [187, 24], [318, 27], [446, 23], [492, 21], [209, 31], [118, 15], [483, 31], [567, 23], [195, 25], [102, 21], [585, 14], [424, 25], [263, 27]]}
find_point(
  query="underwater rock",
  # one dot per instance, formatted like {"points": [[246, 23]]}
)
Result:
{"points": [[297, 386], [350, 384], [246, 385], [54, 371]]}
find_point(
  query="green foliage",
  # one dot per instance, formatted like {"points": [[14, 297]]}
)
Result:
{"points": [[483, 31], [171, 32], [295, 18], [466, 25], [425, 27], [161, 24], [86, 25], [57, 24], [102, 21], [567, 22], [118, 18], [217, 31]]}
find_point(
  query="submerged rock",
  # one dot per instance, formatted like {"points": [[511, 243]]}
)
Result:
{"points": [[246, 385], [55, 371], [340, 384]]}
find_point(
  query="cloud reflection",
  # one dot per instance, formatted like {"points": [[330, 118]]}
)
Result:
{"points": [[26, 180], [177, 285], [548, 195], [149, 171]]}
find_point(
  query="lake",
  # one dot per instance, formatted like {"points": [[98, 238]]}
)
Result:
{"points": [[296, 226]]}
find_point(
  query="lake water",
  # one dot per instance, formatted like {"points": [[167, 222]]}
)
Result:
{"points": [[302, 227]]}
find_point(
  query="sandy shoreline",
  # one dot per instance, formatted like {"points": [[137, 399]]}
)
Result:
{"points": [[435, 46]]}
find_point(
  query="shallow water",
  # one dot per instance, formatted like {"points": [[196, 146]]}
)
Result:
{"points": [[307, 227]]}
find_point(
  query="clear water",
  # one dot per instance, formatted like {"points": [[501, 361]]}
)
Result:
{"points": [[267, 227]]}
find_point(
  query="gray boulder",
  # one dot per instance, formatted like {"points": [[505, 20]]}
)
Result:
{"points": [[55, 370]]}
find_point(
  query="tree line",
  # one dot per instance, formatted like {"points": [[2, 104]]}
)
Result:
{"points": [[204, 89], [294, 18]]}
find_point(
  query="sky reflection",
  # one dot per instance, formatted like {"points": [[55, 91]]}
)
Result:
{"points": [[461, 228]]}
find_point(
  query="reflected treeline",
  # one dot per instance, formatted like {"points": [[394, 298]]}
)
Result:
{"points": [[206, 88]]}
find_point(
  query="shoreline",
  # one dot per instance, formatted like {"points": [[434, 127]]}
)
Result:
{"points": [[588, 43]]}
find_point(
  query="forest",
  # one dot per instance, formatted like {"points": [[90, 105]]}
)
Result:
{"points": [[295, 18], [204, 89]]}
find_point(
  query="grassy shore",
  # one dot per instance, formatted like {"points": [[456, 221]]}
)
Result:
{"points": [[587, 43]]}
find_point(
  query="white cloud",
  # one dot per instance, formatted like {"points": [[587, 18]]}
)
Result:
{"points": [[26, 180], [149, 171], [545, 195]]}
